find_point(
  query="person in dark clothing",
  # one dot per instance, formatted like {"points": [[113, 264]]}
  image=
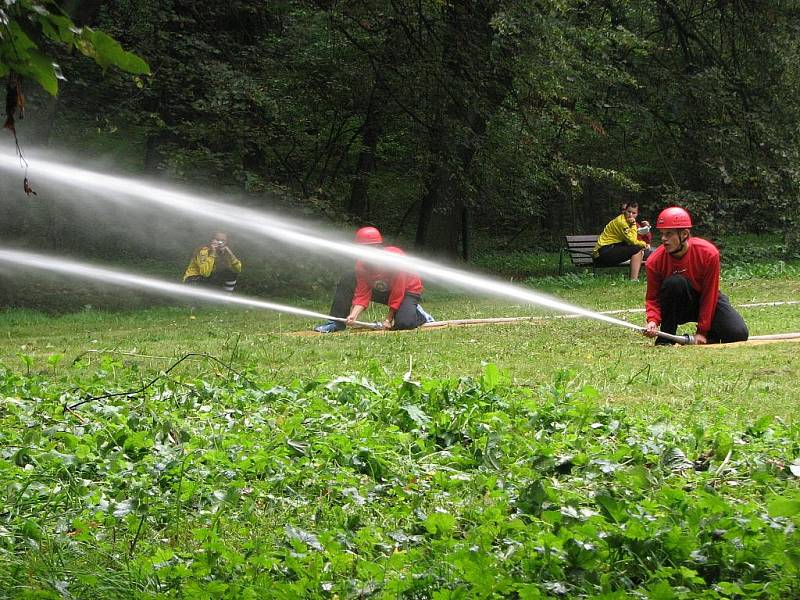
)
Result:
{"points": [[683, 285], [400, 291]]}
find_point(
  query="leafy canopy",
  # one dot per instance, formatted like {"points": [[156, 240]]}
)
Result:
{"points": [[23, 23]]}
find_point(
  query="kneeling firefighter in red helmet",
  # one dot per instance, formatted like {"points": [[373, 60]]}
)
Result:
{"points": [[400, 291], [683, 285]]}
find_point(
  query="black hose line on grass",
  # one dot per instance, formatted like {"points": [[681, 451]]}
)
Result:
{"points": [[133, 392]]}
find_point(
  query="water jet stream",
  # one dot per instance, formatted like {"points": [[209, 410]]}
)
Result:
{"points": [[67, 267], [243, 218]]}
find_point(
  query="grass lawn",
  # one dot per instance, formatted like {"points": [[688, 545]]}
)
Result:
{"points": [[746, 380]]}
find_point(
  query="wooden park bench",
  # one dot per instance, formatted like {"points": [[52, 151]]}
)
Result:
{"points": [[580, 249]]}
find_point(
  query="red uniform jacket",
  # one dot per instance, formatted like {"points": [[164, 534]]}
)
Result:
{"points": [[700, 266], [369, 277]]}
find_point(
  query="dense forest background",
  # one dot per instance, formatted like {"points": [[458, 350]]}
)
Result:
{"points": [[450, 125]]}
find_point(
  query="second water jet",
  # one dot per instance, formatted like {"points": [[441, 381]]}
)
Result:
{"points": [[32, 260]]}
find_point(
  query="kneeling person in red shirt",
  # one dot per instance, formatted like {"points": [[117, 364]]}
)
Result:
{"points": [[683, 285], [399, 290]]}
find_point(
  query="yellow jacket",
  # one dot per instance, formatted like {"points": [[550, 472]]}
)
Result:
{"points": [[618, 231], [203, 263]]}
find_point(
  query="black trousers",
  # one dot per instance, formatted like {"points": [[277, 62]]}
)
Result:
{"points": [[615, 254], [223, 278], [680, 303], [406, 317]]}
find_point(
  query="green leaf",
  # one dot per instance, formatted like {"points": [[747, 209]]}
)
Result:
{"points": [[417, 415], [491, 376], [729, 588], [637, 477], [532, 498], [528, 591], [31, 529], [611, 508], [779, 506], [723, 443], [39, 67], [26, 359], [446, 594], [674, 459], [439, 523], [57, 28], [307, 538], [661, 591], [19, 41], [107, 51], [138, 441]]}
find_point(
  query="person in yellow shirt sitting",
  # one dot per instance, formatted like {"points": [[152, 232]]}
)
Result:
{"points": [[214, 264], [620, 241]]}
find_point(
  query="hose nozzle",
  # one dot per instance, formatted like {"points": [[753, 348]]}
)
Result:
{"points": [[683, 340]]}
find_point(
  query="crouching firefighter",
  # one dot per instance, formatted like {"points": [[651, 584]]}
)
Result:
{"points": [[399, 290], [683, 285]]}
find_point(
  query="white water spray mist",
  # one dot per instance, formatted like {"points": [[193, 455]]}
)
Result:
{"points": [[116, 189]]}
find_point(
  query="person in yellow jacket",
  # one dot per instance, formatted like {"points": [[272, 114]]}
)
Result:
{"points": [[214, 264], [620, 241]]}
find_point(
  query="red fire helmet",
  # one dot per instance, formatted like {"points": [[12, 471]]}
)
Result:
{"points": [[368, 235], [673, 217]]}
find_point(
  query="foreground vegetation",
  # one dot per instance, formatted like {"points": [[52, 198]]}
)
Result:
{"points": [[546, 458], [457, 488]]}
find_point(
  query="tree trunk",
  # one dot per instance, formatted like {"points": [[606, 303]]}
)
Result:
{"points": [[430, 200], [466, 233], [358, 205], [152, 152], [466, 59], [444, 217]]}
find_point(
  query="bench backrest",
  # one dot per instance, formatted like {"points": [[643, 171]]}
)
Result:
{"points": [[580, 249]]}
